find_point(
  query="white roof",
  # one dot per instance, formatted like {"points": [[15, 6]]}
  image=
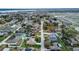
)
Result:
{"points": [[75, 49], [13, 26], [53, 35], [1, 33], [6, 49], [77, 28]]}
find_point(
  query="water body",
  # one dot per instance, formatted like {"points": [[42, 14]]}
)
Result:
{"points": [[43, 9]]}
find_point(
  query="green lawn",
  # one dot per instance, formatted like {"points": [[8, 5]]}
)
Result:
{"points": [[64, 47], [37, 46], [2, 38], [27, 46]]}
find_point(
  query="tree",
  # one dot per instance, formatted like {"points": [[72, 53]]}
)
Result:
{"points": [[23, 25], [19, 17], [47, 44], [63, 32], [37, 39], [4, 16], [25, 43], [70, 32], [55, 19]]}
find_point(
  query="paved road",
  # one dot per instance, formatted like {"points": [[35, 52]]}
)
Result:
{"points": [[3, 42], [42, 37]]}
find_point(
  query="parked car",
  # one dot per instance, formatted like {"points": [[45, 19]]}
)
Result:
{"points": [[59, 45]]}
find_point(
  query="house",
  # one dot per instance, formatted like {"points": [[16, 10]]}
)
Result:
{"points": [[53, 36], [75, 49], [20, 35], [77, 38], [6, 49], [73, 42], [67, 23], [56, 46], [3, 33], [31, 41]]}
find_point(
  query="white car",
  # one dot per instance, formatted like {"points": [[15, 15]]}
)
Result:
{"points": [[59, 45]]}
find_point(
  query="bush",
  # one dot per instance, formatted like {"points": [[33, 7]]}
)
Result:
{"points": [[36, 46], [38, 39]]}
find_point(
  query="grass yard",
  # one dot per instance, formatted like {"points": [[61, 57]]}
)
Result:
{"points": [[2, 38]]}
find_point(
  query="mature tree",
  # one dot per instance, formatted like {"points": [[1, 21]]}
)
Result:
{"points": [[70, 32], [19, 17], [47, 44]]}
